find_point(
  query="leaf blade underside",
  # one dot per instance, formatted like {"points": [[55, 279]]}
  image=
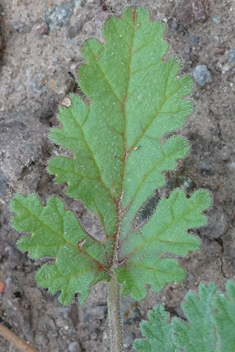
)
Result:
{"points": [[120, 155], [57, 233], [164, 234]]}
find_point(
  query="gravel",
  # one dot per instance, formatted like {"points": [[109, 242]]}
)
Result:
{"points": [[99, 312], [43, 29], [194, 39], [20, 27], [74, 347], [59, 15], [71, 32], [231, 56], [78, 3], [206, 168], [192, 11], [231, 166], [216, 19], [225, 68], [202, 75], [128, 339], [218, 223]]}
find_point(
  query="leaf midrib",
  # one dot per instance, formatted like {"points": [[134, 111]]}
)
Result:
{"points": [[120, 203]]}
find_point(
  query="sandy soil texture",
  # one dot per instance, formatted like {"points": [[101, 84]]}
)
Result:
{"points": [[39, 50]]}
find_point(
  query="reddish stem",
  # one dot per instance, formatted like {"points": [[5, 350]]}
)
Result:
{"points": [[18, 342]]}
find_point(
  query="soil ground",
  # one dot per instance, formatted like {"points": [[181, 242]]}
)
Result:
{"points": [[37, 67]]}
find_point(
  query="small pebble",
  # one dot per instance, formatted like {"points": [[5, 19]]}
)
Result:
{"points": [[187, 50], [71, 32], [20, 27], [54, 333], [194, 39], [231, 56], [174, 24], [43, 30], [225, 68], [220, 51], [225, 157], [25, 50], [78, 3], [191, 11], [98, 312], [231, 166], [74, 347], [191, 57], [218, 223], [216, 19], [187, 183], [93, 335], [206, 168], [59, 15], [202, 75], [128, 339]]}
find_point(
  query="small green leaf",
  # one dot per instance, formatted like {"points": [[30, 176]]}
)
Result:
{"points": [[225, 317], [200, 334], [209, 327], [120, 153], [158, 332]]}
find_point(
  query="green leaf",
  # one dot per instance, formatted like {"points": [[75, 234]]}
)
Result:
{"points": [[136, 101], [200, 334], [225, 317], [58, 233], [165, 233], [158, 332], [120, 153], [209, 327]]}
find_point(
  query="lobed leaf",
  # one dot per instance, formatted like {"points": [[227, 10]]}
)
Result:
{"points": [[200, 335], [225, 317], [57, 233], [136, 100], [158, 332], [143, 252], [209, 327], [120, 154]]}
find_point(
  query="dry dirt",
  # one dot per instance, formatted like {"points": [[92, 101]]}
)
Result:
{"points": [[37, 70]]}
